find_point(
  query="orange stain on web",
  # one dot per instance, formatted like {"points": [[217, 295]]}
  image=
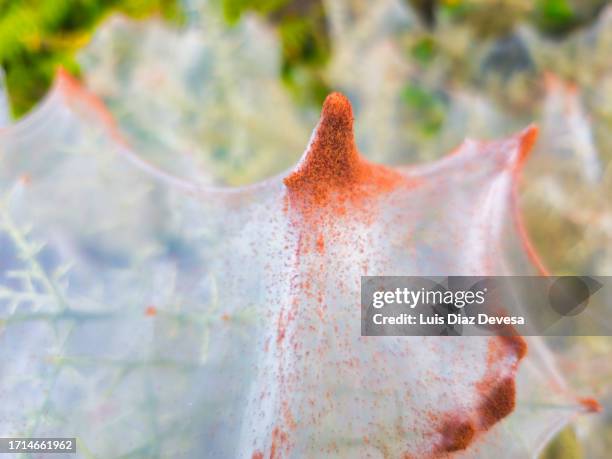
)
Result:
{"points": [[332, 173], [456, 435], [279, 443], [75, 93], [498, 395], [527, 139], [591, 405], [517, 344], [320, 244], [25, 179], [498, 403], [497, 398]]}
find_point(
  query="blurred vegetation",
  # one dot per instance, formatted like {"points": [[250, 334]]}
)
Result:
{"points": [[302, 29], [37, 36], [498, 17], [428, 106], [564, 446]]}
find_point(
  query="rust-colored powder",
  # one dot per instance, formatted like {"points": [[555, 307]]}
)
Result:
{"points": [[257, 455], [333, 181], [498, 403], [150, 311], [279, 438], [320, 244], [456, 435], [527, 141], [517, 343], [332, 159], [288, 416], [591, 405], [332, 164], [25, 179]]}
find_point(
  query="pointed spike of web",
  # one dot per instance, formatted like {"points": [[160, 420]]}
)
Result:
{"points": [[331, 158], [333, 165]]}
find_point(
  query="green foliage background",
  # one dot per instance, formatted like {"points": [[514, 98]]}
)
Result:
{"points": [[37, 36]]}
